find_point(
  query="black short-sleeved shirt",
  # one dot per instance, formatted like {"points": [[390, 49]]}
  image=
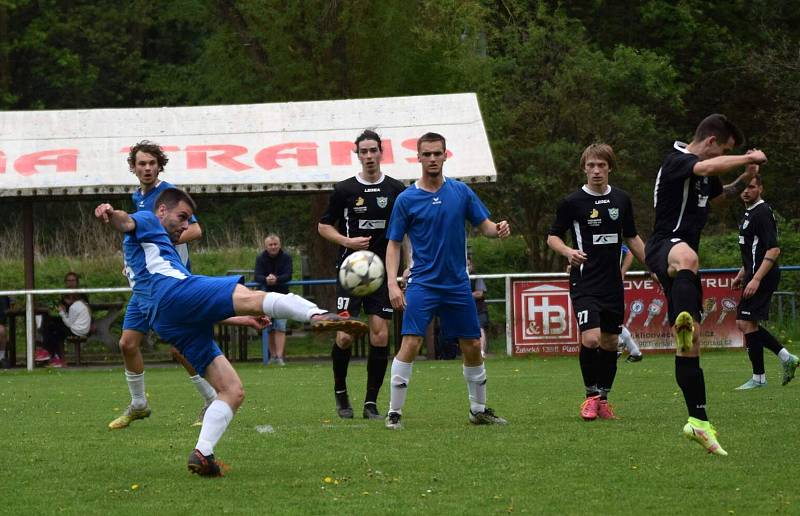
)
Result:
{"points": [[357, 208], [598, 223], [758, 232], [681, 198]]}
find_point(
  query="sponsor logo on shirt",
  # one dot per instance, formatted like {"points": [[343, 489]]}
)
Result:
{"points": [[613, 213], [605, 238], [371, 224], [367, 190], [702, 200], [359, 206], [746, 223], [436, 201], [382, 202], [602, 201], [741, 239], [594, 214]]}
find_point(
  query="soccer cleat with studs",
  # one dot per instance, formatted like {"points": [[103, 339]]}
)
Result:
{"points": [[705, 434], [589, 408], [330, 321], [206, 465], [487, 417], [751, 384], [605, 410], [371, 411], [131, 414], [393, 421], [634, 358], [684, 331], [343, 408], [790, 368]]}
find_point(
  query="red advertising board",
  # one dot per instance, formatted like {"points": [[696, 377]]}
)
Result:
{"points": [[544, 321]]}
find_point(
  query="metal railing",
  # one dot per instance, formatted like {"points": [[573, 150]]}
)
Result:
{"points": [[30, 294]]}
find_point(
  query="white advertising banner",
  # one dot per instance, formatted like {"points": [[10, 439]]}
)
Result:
{"points": [[242, 148]]}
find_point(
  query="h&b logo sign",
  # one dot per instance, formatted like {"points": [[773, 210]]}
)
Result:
{"points": [[543, 313]]}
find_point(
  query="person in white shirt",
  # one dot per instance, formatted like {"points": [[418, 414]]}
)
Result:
{"points": [[75, 319]]}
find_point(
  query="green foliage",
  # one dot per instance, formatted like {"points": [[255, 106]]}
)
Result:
{"points": [[304, 460]]}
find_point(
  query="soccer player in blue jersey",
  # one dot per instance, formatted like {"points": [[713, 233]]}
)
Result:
{"points": [[147, 161], [432, 212], [183, 308]]}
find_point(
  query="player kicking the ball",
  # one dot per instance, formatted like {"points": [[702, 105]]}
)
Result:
{"points": [[599, 217], [432, 212], [686, 185], [356, 219], [183, 308]]}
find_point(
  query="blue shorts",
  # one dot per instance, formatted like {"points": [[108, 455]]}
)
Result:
{"points": [[458, 316], [186, 314], [136, 316]]}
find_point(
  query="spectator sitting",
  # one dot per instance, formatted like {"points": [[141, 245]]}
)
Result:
{"points": [[75, 319], [273, 270]]}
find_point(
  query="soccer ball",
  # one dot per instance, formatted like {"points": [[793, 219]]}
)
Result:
{"points": [[362, 273]]}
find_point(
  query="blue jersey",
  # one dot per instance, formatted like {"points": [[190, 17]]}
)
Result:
{"points": [[147, 202], [434, 223], [152, 261]]}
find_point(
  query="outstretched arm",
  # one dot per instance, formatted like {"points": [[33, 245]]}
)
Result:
{"points": [[117, 219], [734, 189], [724, 164]]}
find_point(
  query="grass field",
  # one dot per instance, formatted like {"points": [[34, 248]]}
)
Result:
{"points": [[60, 458]]}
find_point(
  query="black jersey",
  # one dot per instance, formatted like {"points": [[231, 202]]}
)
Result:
{"points": [[357, 208], [681, 198], [758, 232], [598, 223]]}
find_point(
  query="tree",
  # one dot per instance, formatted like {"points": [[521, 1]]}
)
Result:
{"points": [[549, 95]]}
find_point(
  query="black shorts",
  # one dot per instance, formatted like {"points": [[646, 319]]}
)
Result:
{"points": [[656, 257], [756, 307], [376, 303], [604, 312]]}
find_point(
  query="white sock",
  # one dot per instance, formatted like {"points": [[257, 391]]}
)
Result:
{"points": [[630, 344], [136, 388], [760, 378], [476, 387], [204, 388], [784, 355], [218, 417], [401, 374], [289, 306]]}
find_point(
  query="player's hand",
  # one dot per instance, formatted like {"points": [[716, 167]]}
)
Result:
{"points": [[396, 296], [103, 212], [271, 279], [659, 287], [751, 288], [503, 229], [757, 157], [358, 243], [737, 283], [576, 257], [404, 278]]}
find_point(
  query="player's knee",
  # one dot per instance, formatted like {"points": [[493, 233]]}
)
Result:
{"points": [[609, 342], [129, 344], [379, 338], [688, 261], [344, 340], [745, 326], [590, 341]]}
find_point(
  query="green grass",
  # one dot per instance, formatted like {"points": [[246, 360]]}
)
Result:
{"points": [[60, 458]]}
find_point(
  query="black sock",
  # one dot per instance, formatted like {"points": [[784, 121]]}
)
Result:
{"points": [[606, 371], [377, 361], [687, 293], [755, 350], [588, 361], [341, 359], [692, 383], [768, 341]]}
